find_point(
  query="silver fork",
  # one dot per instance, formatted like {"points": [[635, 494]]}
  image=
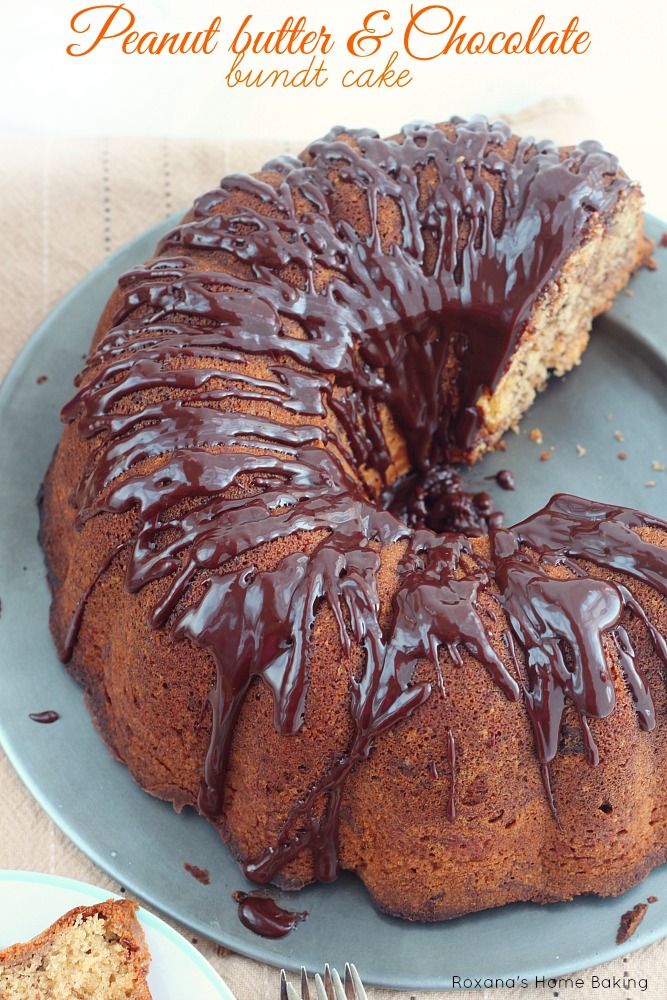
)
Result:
{"points": [[329, 988]]}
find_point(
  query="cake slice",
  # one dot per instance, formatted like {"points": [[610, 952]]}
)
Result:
{"points": [[92, 953]]}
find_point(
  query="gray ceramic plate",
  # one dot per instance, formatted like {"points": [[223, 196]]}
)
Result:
{"points": [[143, 843]]}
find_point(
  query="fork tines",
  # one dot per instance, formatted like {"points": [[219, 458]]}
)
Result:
{"points": [[329, 988]]}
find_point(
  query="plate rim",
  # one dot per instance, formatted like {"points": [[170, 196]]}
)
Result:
{"points": [[97, 894]]}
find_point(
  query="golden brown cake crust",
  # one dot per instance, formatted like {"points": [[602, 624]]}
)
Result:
{"points": [[256, 637]]}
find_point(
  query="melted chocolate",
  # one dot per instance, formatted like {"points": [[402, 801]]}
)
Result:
{"points": [[216, 460], [45, 717], [438, 500], [263, 916], [505, 479]]}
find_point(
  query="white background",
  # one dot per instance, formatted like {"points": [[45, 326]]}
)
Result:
{"points": [[619, 84]]}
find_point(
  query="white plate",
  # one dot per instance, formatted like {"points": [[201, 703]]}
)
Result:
{"points": [[31, 901]]}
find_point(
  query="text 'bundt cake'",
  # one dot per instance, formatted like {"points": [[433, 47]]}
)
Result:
{"points": [[463, 721]]}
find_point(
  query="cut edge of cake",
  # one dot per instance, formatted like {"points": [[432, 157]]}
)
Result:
{"points": [[96, 952]]}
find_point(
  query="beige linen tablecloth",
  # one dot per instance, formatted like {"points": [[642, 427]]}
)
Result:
{"points": [[65, 206]]}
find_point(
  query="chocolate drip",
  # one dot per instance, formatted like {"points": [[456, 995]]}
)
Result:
{"points": [[550, 615], [603, 534], [505, 479], [46, 717], [263, 916], [635, 679], [213, 416]]}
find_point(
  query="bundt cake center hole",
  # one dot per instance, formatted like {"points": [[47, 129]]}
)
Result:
{"points": [[438, 499]]}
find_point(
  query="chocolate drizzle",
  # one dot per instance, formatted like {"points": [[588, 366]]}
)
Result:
{"points": [[46, 717], [263, 916], [240, 401]]}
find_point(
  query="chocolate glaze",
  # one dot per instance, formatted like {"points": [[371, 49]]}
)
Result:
{"points": [[46, 717], [438, 499], [263, 916], [316, 291], [505, 479]]}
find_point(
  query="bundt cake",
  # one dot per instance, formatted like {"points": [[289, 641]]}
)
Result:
{"points": [[92, 953], [464, 719]]}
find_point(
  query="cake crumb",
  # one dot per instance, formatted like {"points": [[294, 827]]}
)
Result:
{"points": [[650, 482], [41, 379], [201, 874], [652, 264], [629, 292], [610, 416], [652, 899], [536, 435], [623, 455], [630, 921], [581, 451], [658, 466], [545, 456], [619, 435]]}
